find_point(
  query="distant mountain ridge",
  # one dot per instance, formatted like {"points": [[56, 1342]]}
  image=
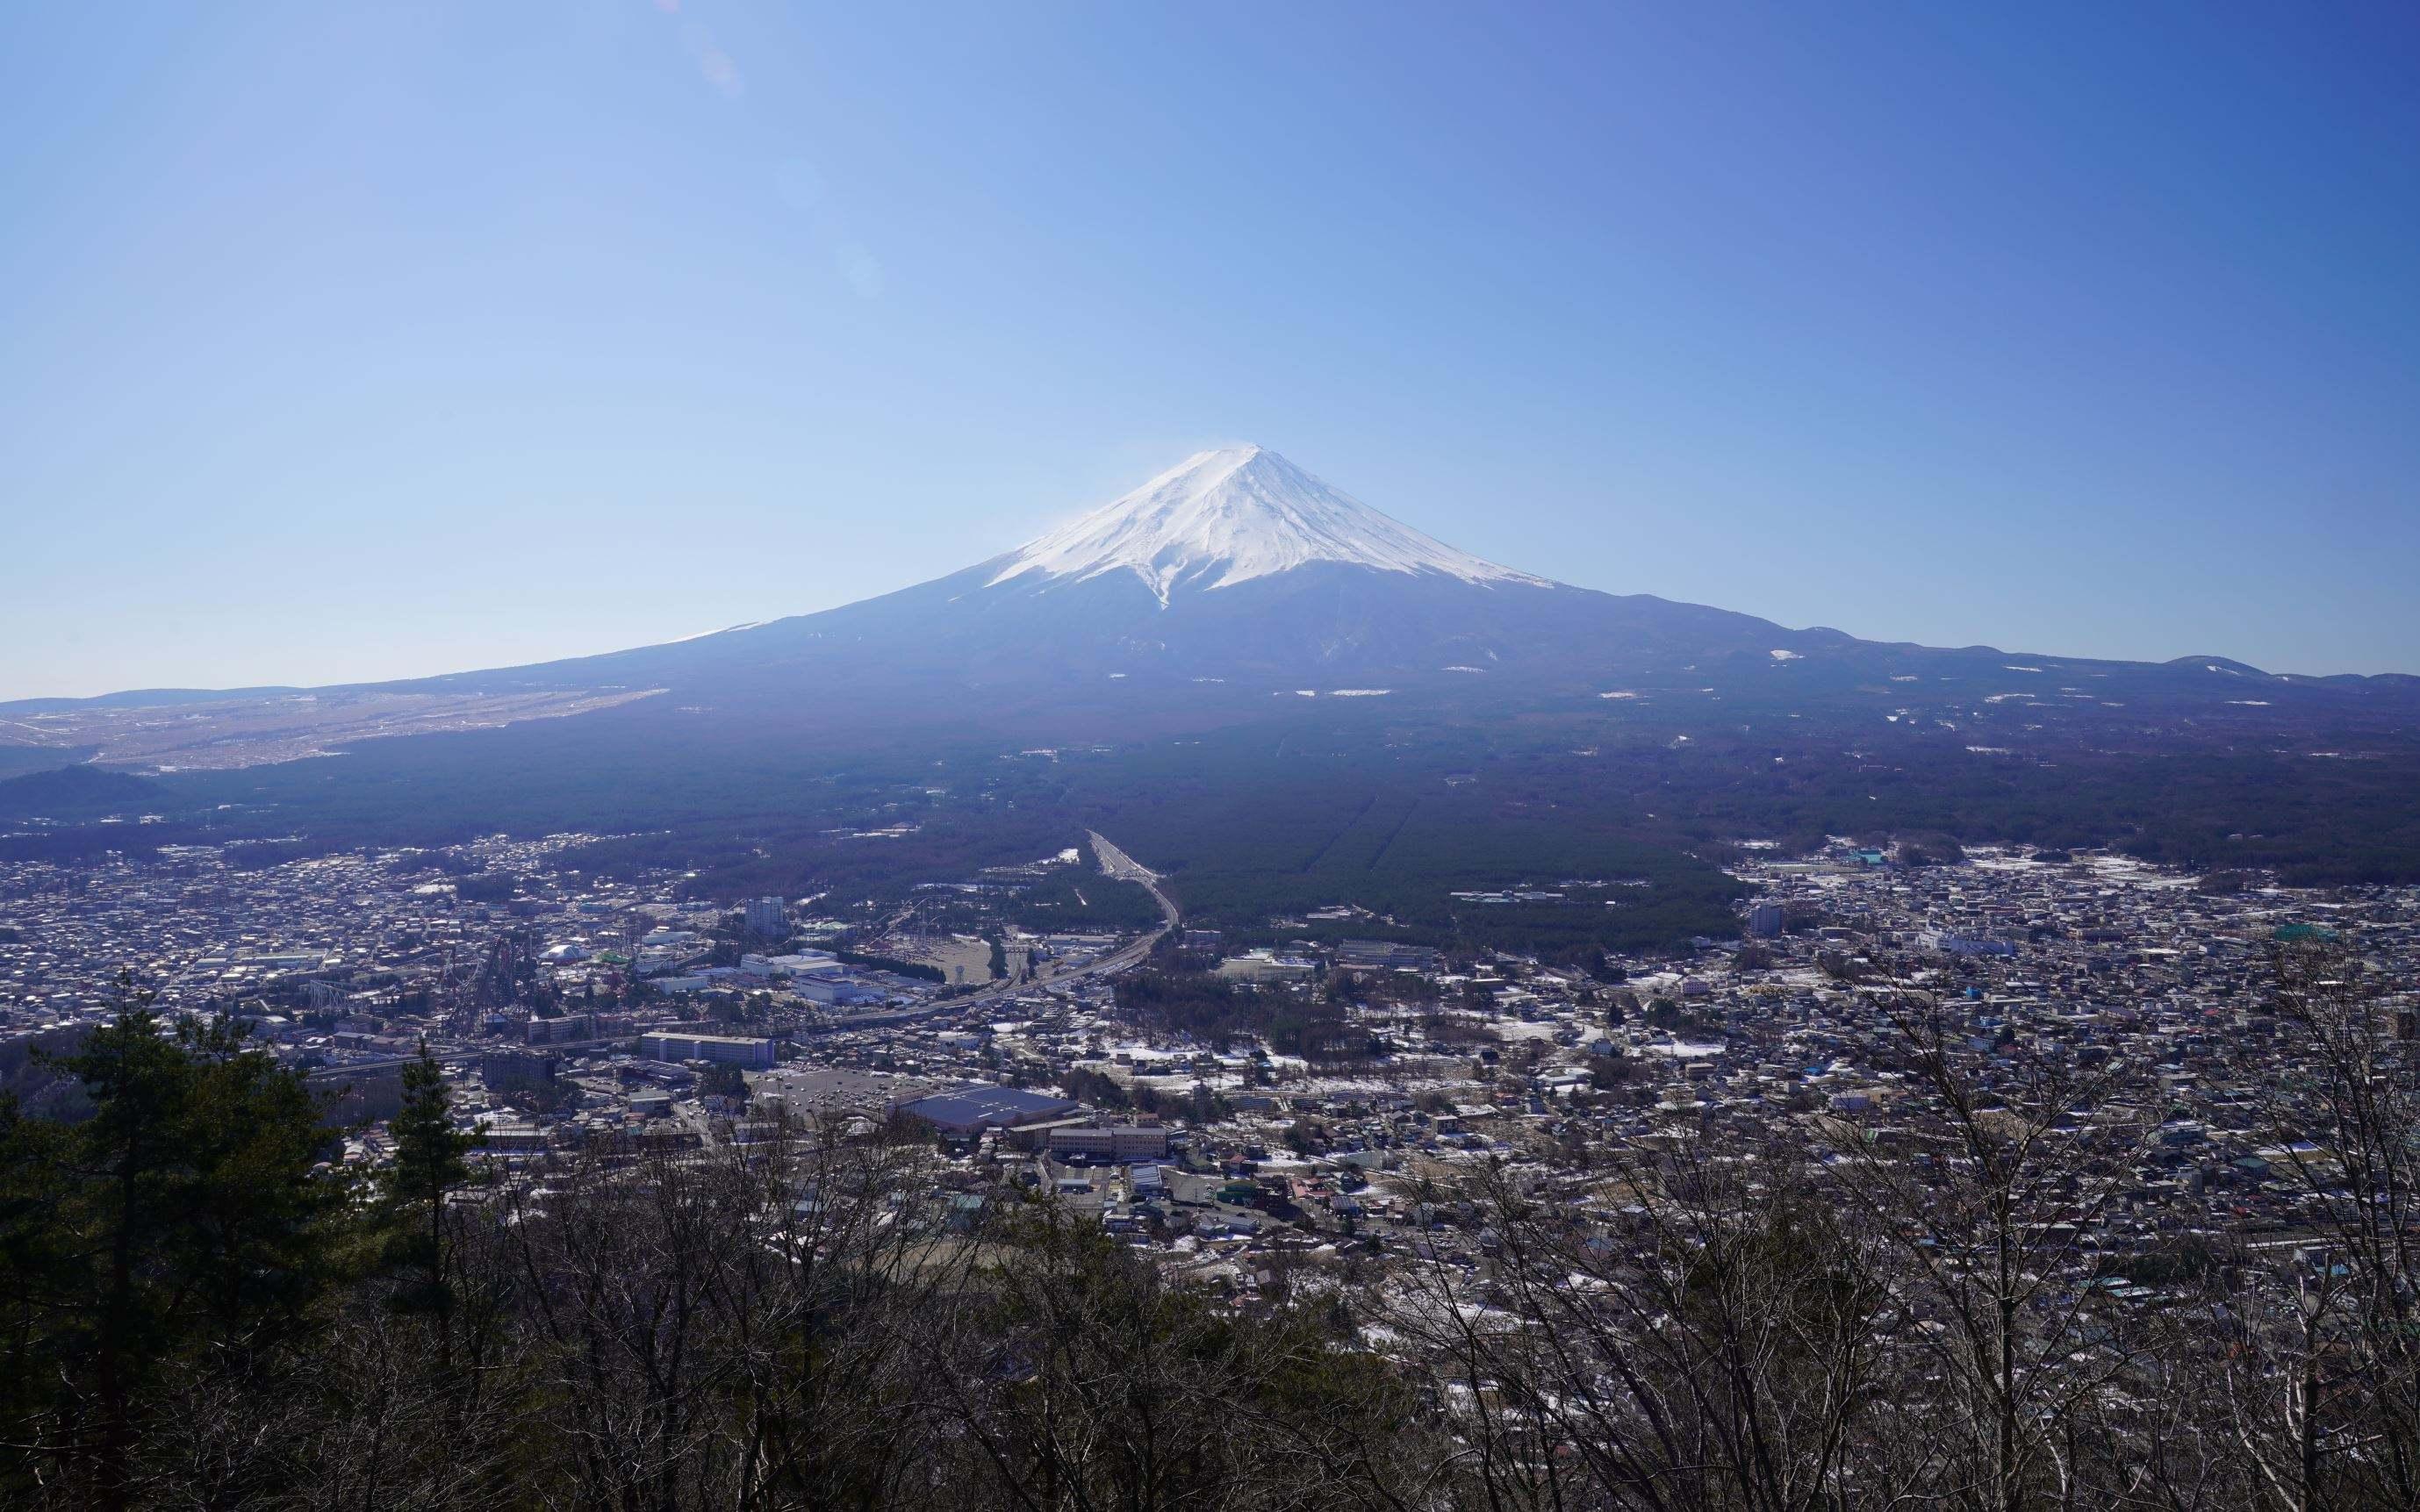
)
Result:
{"points": [[1238, 567], [1232, 578]]}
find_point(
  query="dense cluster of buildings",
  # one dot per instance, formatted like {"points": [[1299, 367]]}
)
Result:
{"points": [[566, 1009]]}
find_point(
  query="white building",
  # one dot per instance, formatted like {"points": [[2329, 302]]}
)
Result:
{"points": [[722, 1050]]}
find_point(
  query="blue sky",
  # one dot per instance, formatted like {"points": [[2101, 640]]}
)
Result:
{"points": [[349, 342]]}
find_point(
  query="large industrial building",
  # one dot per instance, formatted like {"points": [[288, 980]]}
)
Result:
{"points": [[969, 1110]]}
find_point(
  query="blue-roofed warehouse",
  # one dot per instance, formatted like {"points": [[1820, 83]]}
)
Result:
{"points": [[972, 1109]]}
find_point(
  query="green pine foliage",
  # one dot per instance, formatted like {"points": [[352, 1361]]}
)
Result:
{"points": [[178, 1242]]}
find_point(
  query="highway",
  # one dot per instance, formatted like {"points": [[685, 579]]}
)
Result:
{"points": [[1118, 864], [1114, 863]]}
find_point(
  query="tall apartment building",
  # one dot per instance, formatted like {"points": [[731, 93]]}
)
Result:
{"points": [[719, 1049], [509, 1071], [769, 918]]}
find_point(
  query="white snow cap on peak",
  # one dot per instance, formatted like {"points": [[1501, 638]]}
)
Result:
{"points": [[1226, 516]]}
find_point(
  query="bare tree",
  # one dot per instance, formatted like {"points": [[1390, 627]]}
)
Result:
{"points": [[2001, 1163], [728, 1326], [1702, 1338], [1079, 1379], [2324, 1386]]}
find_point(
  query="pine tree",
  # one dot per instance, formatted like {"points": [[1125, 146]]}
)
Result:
{"points": [[180, 1233], [429, 1164]]}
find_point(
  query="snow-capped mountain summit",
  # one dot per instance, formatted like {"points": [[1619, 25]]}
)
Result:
{"points": [[1231, 585], [1226, 516], [1233, 569]]}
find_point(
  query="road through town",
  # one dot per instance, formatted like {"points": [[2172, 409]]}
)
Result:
{"points": [[1115, 863]]}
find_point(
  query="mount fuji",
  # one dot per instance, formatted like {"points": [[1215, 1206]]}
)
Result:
{"points": [[1233, 566], [1189, 603], [1261, 674]]}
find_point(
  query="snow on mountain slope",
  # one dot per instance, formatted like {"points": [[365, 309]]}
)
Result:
{"points": [[1222, 517]]}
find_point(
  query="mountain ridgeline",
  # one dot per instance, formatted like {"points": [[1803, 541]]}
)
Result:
{"points": [[1234, 567], [1246, 677], [1237, 566]]}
